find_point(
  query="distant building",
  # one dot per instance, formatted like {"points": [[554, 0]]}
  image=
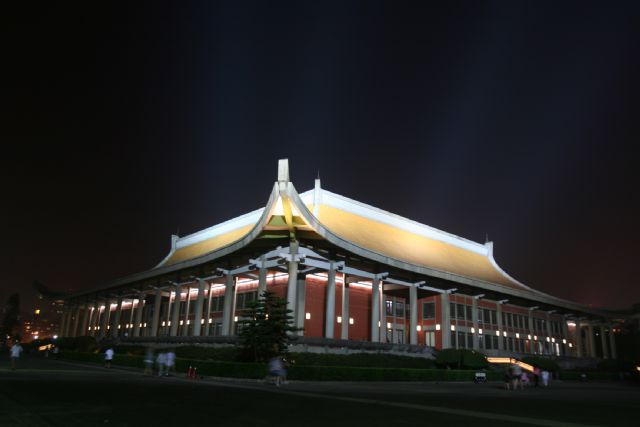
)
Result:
{"points": [[349, 271]]}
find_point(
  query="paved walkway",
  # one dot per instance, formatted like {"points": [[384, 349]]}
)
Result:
{"points": [[59, 393]]}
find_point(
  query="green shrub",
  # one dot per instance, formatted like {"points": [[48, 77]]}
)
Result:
{"points": [[228, 354], [542, 363], [616, 365], [461, 359], [373, 360], [308, 373], [83, 344]]}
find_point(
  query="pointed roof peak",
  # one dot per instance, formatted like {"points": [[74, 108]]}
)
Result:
{"points": [[283, 170]]}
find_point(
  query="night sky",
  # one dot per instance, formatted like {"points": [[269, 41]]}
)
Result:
{"points": [[123, 123]]}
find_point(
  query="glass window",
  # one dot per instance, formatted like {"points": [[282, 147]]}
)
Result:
{"points": [[469, 340], [399, 309], [453, 339], [389, 305], [494, 317], [488, 342], [469, 313], [460, 311], [480, 341], [461, 339], [430, 339], [400, 336], [480, 315], [487, 316], [428, 310], [452, 310]]}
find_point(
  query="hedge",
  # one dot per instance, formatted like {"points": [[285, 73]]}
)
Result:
{"points": [[542, 363], [461, 359], [305, 373]]}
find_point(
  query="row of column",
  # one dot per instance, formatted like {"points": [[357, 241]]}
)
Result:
{"points": [[588, 348]]}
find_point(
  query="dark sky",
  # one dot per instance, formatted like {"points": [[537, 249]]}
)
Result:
{"points": [[123, 123]]}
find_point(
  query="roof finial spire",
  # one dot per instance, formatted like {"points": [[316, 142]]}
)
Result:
{"points": [[283, 170]]}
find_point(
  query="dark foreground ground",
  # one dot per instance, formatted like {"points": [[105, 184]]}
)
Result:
{"points": [[56, 393]]}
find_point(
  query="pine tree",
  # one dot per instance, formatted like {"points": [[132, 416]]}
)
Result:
{"points": [[267, 329]]}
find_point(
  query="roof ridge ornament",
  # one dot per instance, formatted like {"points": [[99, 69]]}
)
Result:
{"points": [[283, 170]]}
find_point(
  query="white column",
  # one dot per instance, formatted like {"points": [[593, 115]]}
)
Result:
{"points": [[229, 305], [344, 332], [207, 325], [413, 312], [445, 328], [156, 313], [132, 314], [105, 318], [292, 284], [549, 333], [375, 309], [187, 309], [603, 340], [86, 321], [500, 326], [474, 313], [95, 319], [383, 315], [197, 316], [175, 314], [565, 336], [612, 342], [330, 309], [578, 338], [591, 341], [262, 278], [300, 303], [138, 320], [76, 321], [532, 342], [116, 320]]}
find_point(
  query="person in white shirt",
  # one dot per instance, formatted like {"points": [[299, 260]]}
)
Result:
{"points": [[16, 350], [108, 357], [170, 362], [161, 361]]}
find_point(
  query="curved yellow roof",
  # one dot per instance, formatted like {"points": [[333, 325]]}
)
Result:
{"points": [[209, 245], [409, 247]]}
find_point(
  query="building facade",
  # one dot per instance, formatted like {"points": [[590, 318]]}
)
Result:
{"points": [[349, 271]]}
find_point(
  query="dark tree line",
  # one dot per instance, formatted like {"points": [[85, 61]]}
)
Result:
{"points": [[9, 328]]}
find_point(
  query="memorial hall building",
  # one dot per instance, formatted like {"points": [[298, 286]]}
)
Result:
{"points": [[351, 273]]}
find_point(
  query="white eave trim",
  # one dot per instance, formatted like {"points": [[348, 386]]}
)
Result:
{"points": [[391, 219]]}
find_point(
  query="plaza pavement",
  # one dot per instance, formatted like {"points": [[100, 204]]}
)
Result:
{"points": [[44, 392]]}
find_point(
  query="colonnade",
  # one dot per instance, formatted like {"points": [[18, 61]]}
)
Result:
{"points": [[161, 311]]}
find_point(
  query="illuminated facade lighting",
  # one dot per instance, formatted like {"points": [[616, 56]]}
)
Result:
{"points": [[308, 316], [351, 320], [339, 320], [437, 326], [418, 328], [497, 333], [453, 327], [473, 330], [517, 335]]}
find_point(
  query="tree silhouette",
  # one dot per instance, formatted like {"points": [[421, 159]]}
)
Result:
{"points": [[267, 329], [10, 318]]}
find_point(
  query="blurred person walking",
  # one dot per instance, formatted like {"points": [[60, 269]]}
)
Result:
{"points": [[16, 351], [108, 357], [161, 361]]}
